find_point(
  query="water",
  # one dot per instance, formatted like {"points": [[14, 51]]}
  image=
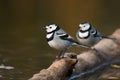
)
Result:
{"points": [[22, 40]]}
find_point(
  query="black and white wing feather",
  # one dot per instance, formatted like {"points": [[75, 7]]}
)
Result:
{"points": [[95, 33], [65, 36]]}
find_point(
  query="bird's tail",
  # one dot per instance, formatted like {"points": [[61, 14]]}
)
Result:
{"points": [[114, 39], [80, 45]]}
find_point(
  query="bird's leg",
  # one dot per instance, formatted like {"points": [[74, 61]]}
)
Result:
{"points": [[61, 54], [99, 53]]}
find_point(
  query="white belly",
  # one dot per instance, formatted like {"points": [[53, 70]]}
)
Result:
{"points": [[89, 41], [59, 44]]}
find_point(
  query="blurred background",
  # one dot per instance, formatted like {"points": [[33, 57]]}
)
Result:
{"points": [[22, 41]]}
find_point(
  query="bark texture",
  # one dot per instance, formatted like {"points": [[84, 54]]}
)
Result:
{"points": [[59, 70]]}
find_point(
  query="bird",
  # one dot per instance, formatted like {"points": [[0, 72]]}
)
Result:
{"points": [[57, 38], [87, 35]]}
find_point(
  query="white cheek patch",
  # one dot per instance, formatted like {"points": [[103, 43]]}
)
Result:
{"points": [[49, 35], [50, 30], [82, 35], [84, 27], [53, 27]]}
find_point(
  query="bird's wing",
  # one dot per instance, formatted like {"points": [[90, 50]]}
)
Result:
{"points": [[95, 33], [63, 35]]}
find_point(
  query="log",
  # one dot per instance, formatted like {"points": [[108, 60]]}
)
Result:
{"points": [[103, 70], [59, 70], [107, 50]]}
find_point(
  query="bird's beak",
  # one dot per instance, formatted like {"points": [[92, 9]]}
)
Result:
{"points": [[43, 27], [79, 27]]}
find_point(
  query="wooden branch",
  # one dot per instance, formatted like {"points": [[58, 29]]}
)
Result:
{"points": [[107, 50], [91, 71], [59, 70]]}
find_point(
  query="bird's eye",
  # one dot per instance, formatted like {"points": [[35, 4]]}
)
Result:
{"points": [[50, 27]]}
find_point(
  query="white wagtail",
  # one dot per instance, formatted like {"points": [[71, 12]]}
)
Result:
{"points": [[88, 35], [59, 39]]}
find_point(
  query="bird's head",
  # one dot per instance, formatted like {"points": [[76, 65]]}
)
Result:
{"points": [[51, 27], [84, 26]]}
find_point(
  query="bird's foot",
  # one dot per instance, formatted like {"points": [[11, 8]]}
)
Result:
{"points": [[59, 57]]}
